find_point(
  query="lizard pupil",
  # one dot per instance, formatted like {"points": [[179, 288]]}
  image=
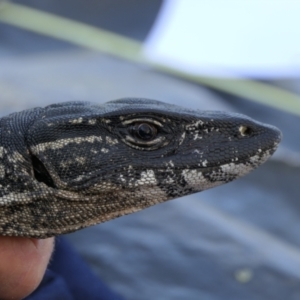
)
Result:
{"points": [[146, 131]]}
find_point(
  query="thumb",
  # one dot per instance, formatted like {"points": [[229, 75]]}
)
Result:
{"points": [[23, 262]]}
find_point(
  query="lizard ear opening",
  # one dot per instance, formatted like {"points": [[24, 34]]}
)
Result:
{"points": [[40, 172]]}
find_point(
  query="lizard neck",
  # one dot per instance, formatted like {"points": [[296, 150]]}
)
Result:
{"points": [[15, 163]]}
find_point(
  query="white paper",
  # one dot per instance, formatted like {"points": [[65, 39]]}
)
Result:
{"points": [[249, 38]]}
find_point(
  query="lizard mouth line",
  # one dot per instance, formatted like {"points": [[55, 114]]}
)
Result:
{"points": [[41, 173], [97, 181]]}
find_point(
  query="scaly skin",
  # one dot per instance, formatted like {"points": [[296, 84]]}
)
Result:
{"points": [[71, 165]]}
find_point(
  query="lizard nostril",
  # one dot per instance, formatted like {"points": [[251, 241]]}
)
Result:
{"points": [[245, 130]]}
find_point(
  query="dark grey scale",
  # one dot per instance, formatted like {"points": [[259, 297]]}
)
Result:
{"points": [[37, 224], [217, 175], [11, 210], [177, 188], [8, 226]]}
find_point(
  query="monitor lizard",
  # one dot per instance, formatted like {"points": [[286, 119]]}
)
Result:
{"points": [[71, 165]]}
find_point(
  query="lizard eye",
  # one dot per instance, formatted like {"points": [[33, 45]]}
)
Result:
{"points": [[145, 131]]}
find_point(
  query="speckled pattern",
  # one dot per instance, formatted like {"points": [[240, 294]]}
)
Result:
{"points": [[71, 165]]}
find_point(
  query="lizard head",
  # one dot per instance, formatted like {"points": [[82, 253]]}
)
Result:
{"points": [[98, 162]]}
